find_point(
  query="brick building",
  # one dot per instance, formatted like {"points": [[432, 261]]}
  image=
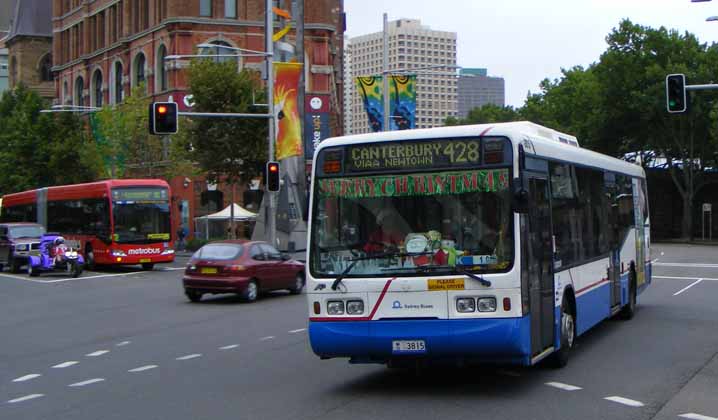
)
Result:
{"points": [[103, 49], [28, 45]]}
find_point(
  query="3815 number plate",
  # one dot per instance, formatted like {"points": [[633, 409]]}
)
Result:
{"points": [[408, 346]]}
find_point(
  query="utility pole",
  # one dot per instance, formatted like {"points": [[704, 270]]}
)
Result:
{"points": [[385, 74], [270, 222]]}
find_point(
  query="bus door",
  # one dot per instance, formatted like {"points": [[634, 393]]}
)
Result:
{"points": [[541, 283], [614, 260]]}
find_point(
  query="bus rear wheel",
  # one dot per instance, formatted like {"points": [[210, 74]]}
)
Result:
{"points": [[568, 335], [89, 258], [629, 310]]}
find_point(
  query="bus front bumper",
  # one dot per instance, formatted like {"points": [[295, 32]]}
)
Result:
{"points": [[497, 340]]}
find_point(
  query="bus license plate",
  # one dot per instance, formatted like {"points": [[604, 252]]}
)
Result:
{"points": [[145, 260], [408, 346]]}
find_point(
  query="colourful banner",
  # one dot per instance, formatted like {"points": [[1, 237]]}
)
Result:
{"points": [[316, 122], [287, 126], [370, 90], [403, 102], [402, 97], [426, 184]]}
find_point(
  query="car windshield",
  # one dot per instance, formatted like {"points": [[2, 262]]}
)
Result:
{"points": [[29, 231], [219, 252], [412, 223]]}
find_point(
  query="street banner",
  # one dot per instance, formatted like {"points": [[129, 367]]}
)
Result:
{"points": [[287, 125], [403, 102], [402, 97], [370, 90], [316, 122]]}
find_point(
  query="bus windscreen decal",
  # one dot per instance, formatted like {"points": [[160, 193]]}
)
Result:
{"points": [[424, 184], [419, 154]]}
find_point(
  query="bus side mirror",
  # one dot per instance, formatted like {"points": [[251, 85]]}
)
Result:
{"points": [[520, 199]]}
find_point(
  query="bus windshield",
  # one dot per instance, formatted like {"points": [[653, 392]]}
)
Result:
{"points": [[413, 223], [141, 215]]}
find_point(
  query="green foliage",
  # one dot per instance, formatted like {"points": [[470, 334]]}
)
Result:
{"points": [[232, 149], [39, 150], [195, 244], [486, 114], [123, 140]]}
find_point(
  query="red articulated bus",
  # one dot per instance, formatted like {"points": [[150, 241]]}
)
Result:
{"points": [[119, 222]]}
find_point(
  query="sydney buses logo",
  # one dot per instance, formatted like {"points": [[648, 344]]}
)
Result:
{"points": [[144, 251]]}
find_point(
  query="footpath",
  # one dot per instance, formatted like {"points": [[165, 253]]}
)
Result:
{"points": [[698, 399]]}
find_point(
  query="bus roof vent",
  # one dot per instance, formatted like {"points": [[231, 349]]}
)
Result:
{"points": [[537, 130]]}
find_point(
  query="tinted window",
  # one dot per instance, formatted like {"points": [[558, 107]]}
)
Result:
{"points": [[21, 213], [30, 231], [219, 252], [271, 252], [255, 251], [90, 216]]}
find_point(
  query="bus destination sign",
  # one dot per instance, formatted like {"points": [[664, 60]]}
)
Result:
{"points": [[415, 154], [139, 194]]}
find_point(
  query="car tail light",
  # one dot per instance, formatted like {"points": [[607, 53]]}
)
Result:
{"points": [[317, 308], [234, 268]]}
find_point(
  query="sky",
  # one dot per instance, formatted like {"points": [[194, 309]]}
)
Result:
{"points": [[525, 41]]}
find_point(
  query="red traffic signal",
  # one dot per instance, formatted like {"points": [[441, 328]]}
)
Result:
{"points": [[271, 177], [163, 118]]}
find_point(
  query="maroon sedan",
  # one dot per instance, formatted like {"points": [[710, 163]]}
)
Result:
{"points": [[242, 267]]}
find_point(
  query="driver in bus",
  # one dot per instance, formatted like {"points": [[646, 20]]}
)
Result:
{"points": [[387, 233]]}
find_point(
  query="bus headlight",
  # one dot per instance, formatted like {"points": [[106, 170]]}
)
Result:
{"points": [[168, 251], [335, 307], [487, 304], [21, 247], [118, 253], [355, 307], [465, 305]]}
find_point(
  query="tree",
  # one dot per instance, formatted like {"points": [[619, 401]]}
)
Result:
{"points": [[39, 150], [123, 140], [488, 113], [229, 149]]}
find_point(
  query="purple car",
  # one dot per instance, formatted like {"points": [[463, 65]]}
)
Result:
{"points": [[55, 256]]}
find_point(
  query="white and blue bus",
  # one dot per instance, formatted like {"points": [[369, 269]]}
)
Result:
{"points": [[496, 243]]}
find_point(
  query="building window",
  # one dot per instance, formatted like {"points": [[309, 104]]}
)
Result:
{"points": [[205, 8], [66, 99], [46, 68], [139, 70], [161, 71], [119, 94], [79, 88], [97, 88], [230, 8], [218, 51]]}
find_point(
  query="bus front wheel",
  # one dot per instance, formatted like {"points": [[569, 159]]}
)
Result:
{"points": [[568, 335], [148, 266]]}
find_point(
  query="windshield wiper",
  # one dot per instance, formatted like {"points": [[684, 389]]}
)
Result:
{"points": [[377, 256], [458, 268]]}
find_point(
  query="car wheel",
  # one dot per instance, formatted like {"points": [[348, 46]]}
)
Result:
{"points": [[629, 310], [298, 284], [76, 270], [193, 296], [568, 335], [15, 266], [251, 293], [89, 258], [1, 267], [32, 271], [148, 266]]}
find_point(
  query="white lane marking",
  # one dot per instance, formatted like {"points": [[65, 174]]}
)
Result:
{"points": [[171, 268], [565, 387], [27, 377], [97, 353], [142, 368], [296, 331], [684, 278], [189, 356], [26, 397], [269, 337], [88, 277], [231, 346], [687, 265], [694, 416], [87, 382], [15, 277], [655, 261], [687, 287], [124, 343], [625, 401], [65, 364]]}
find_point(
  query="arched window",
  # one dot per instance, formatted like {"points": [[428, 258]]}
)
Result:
{"points": [[119, 93], [139, 70], [161, 71], [46, 68], [79, 88], [221, 51], [97, 88], [65, 94]]}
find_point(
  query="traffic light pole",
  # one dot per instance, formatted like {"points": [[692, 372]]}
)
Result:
{"points": [[270, 227], [702, 87]]}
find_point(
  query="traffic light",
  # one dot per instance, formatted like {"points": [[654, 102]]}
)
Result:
{"points": [[676, 100], [163, 118], [272, 176]]}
